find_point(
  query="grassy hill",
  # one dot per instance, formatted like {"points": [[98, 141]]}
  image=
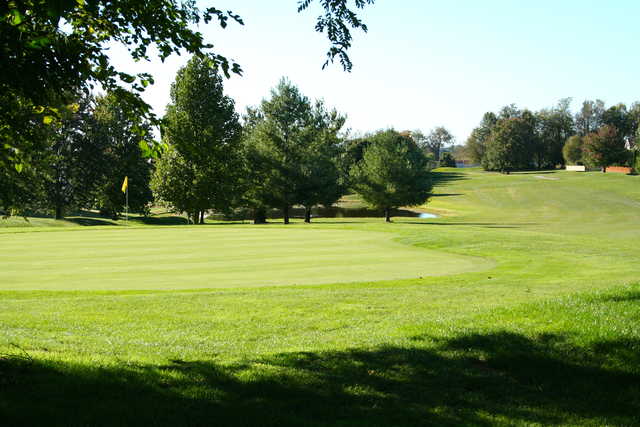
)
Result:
{"points": [[519, 305]]}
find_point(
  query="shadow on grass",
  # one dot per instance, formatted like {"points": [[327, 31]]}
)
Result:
{"points": [[89, 221], [446, 194], [442, 178], [476, 379], [161, 220]]}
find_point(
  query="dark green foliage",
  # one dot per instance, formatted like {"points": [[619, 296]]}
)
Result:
{"points": [[122, 156], [511, 144], [618, 117], [434, 141], [77, 162], [606, 147], [41, 58], [320, 182], [392, 173], [447, 160], [277, 147], [352, 153], [476, 144], [553, 127], [203, 130], [573, 150], [175, 182], [589, 118], [292, 150], [335, 21]]}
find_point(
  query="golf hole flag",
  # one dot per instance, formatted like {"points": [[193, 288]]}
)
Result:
{"points": [[125, 184]]}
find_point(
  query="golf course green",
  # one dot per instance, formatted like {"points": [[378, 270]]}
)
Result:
{"points": [[212, 257], [519, 305]]}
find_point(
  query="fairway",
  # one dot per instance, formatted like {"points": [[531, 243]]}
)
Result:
{"points": [[517, 306], [213, 257]]}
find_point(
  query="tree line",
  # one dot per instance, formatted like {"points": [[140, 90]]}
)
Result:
{"points": [[288, 151], [516, 139]]}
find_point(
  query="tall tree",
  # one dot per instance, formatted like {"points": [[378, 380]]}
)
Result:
{"points": [[320, 182], [393, 173], [124, 155], [475, 145], [605, 147], [77, 162], [278, 145], [437, 139], [53, 47], [618, 117], [554, 126], [511, 144], [573, 150], [202, 126], [589, 118]]}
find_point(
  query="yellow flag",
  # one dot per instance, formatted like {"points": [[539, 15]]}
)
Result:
{"points": [[125, 184]]}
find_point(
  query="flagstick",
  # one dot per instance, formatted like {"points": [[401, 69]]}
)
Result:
{"points": [[126, 208]]}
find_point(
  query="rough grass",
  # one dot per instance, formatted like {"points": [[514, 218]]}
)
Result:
{"points": [[548, 335]]}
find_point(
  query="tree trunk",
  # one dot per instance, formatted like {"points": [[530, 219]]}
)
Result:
{"points": [[259, 216], [58, 212], [201, 217], [387, 214], [285, 214], [307, 215], [194, 218]]}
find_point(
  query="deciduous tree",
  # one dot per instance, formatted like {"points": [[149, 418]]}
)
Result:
{"points": [[605, 147], [201, 125], [54, 47]]}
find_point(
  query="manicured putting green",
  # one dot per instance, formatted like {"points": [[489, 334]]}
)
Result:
{"points": [[211, 257]]}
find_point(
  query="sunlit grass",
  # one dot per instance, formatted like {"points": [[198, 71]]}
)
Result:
{"points": [[544, 331]]}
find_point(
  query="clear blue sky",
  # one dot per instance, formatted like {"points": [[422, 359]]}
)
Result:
{"points": [[427, 63]]}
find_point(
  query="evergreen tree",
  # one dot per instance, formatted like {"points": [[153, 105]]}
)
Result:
{"points": [[277, 146], [392, 173]]}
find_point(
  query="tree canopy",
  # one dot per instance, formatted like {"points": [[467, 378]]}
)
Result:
{"points": [[392, 173], [51, 48], [204, 133]]}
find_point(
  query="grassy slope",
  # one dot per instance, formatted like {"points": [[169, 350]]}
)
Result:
{"points": [[550, 335]]}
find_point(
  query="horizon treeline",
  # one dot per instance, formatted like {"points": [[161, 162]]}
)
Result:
{"points": [[287, 151], [520, 139]]}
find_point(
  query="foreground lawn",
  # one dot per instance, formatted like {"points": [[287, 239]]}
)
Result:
{"points": [[540, 326]]}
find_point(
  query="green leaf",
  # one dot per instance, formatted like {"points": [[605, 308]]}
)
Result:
{"points": [[16, 17], [47, 120], [39, 42], [19, 167], [144, 147]]}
